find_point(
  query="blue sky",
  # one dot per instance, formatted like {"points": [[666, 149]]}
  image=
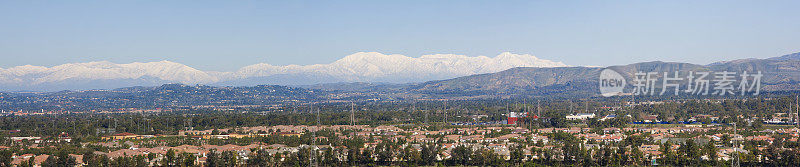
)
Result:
{"points": [[226, 35]]}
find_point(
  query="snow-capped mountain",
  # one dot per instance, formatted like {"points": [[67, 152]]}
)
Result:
{"points": [[358, 67], [164, 70]]}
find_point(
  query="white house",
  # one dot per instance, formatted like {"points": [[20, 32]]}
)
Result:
{"points": [[580, 116]]}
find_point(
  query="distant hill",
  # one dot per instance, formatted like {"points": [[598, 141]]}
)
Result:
{"points": [[512, 81], [779, 75], [793, 56]]}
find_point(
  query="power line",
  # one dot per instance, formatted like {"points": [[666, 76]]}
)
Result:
{"points": [[735, 156], [445, 112], [538, 109], [313, 156], [352, 114]]}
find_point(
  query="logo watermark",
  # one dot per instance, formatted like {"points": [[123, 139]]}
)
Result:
{"points": [[611, 83], [682, 83]]}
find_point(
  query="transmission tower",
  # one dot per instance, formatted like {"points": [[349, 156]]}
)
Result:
{"points": [[426, 117], [188, 124], [413, 108], [508, 112], [538, 110], [735, 155], [352, 114], [571, 110], [445, 112], [528, 118], [522, 120], [313, 147], [586, 106]]}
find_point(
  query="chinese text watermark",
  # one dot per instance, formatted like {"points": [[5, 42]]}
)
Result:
{"points": [[683, 83]]}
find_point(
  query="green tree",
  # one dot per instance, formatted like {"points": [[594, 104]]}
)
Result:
{"points": [[710, 151], [230, 158], [51, 161], [64, 160], [429, 153], [328, 157], [187, 160], [691, 152], [461, 155], [5, 158], [669, 157], [517, 154], [28, 163], [170, 159], [212, 159]]}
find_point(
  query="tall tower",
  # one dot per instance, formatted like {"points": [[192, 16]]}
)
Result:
{"points": [[524, 105], [352, 113], [413, 108], [586, 106], [187, 122], [525, 113], [571, 110], [426, 116], [796, 109], [735, 155], [538, 109], [445, 112], [313, 156], [508, 113]]}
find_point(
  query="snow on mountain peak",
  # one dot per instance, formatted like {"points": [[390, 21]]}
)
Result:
{"points": [[378, 67], [104, 70], [357, 67]]}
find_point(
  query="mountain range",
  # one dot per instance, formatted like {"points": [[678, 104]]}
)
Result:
{"points": [[781, 75], [369, 67]]}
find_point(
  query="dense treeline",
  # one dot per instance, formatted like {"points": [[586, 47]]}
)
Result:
{"points": [[93, 125], [567, 151]]}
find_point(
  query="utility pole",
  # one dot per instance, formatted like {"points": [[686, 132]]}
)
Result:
{"points": [[413, 108], [445, 112], [525, 108], [508, 113], [735, 157], [797, 108], [352, 114], [150, 125], [586, 106], [571, 110], [313, 155], [426, 117], [191, 127], [538, 109]]}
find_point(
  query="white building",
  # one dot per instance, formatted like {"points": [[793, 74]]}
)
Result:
{"points": [[580, 116]]}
